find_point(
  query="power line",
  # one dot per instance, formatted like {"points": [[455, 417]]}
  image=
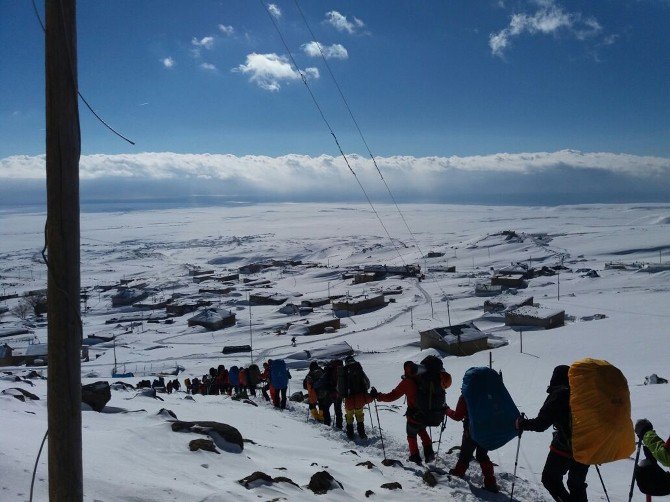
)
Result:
{"points": [[353, 119], [90, 108], [330, 129]]}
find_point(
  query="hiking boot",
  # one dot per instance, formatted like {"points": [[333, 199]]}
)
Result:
{"points": [[428, 453], [361, 430], [493, 488], [350, 431], [416, 458], [489, 477], [459, 469], [338, 423]]}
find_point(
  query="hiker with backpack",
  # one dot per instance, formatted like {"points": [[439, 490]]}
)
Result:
{"points": [[353, 385], [279, 377], [234, 379], [423, 386], [326, 389], [195, 386], [212, 387], [652, 479], [560, 461], [243, 383], [265, 378], [222, 380], [470, 448], [253, 378], [314, 374]]}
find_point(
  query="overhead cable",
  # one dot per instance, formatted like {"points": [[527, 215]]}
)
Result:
{"points": [[330, 129]]}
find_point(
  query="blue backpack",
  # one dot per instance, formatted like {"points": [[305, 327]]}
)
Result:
{"points": [[491, 410], [234, 376], [279, 374]]}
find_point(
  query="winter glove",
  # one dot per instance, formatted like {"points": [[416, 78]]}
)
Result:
{"points": [[373, 393], [518, 423], [642, 426]]}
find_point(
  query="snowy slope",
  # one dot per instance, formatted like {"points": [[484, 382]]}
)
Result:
{"points": [[136, 456]]}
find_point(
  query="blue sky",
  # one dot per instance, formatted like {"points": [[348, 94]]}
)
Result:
{"points": [[436, 78]]}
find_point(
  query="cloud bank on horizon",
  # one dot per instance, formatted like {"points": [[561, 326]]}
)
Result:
{"points": [[561, 177]]}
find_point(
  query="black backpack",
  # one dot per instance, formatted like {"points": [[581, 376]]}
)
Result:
{"points": [[352, 380], [312, 377], [430, 400], [651, 479], [253, 375]]}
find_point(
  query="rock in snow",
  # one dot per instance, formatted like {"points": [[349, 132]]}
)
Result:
{"points": [[96, 394], [322, 482], [220, 433]]}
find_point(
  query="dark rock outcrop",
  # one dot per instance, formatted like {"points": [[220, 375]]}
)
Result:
{"points": [[367, 464], [96, 394], [203, 444], [224, 435], [20, 394], [392, 486], [390, 462], [164, 412], [429, 479], [297, 397], [259, 478], [321, 482]]}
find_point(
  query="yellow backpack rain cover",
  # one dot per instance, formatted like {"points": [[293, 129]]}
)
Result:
{"points": [[602, 430]]}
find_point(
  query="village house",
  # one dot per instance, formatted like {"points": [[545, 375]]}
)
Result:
{"points": [[458, 340]]}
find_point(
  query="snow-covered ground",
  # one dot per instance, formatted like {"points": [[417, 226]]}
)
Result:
{"points": [[136, 456]]}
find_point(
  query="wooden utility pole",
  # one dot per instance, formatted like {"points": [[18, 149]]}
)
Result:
{"points": [[62, 156]]}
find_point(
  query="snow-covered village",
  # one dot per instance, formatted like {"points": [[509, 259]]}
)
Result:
{"points": [[172, 294], [343, 251]]}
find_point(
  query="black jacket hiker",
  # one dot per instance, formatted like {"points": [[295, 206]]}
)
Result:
{"points": [[556, 411]]}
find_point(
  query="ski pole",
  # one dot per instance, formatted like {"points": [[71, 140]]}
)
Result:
{"points": [[381, 436], [602, 483], [439, 441], [632, 481], [516, 463]]}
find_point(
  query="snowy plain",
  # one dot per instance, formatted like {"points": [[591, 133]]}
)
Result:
{"points": [[135, 456]]}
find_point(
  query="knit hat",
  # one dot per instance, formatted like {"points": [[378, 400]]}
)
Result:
{"points": [[560, 376], [313, 365]]}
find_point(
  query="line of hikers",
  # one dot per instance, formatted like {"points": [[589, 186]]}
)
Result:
{"points": [[243, 381], [423, 385]]}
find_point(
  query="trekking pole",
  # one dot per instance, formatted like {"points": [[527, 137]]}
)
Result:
{"points": [[602, 483], [372, 424], [381, 436], [516, 463], [632, 481], [439, 441]]}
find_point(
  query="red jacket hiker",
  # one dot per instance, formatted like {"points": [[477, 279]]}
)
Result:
{"points": [[408, 387]]}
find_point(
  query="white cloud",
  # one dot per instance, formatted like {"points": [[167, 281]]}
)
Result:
{"points": [[227, 30], [549, 19], [274, 10], [543, 177], [269, 70], [208, 66], [335, 51], [168, 62], [341, 23], [206, 42]]}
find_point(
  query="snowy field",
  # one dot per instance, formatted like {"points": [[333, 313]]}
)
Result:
{"points": [[623, 316]]}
